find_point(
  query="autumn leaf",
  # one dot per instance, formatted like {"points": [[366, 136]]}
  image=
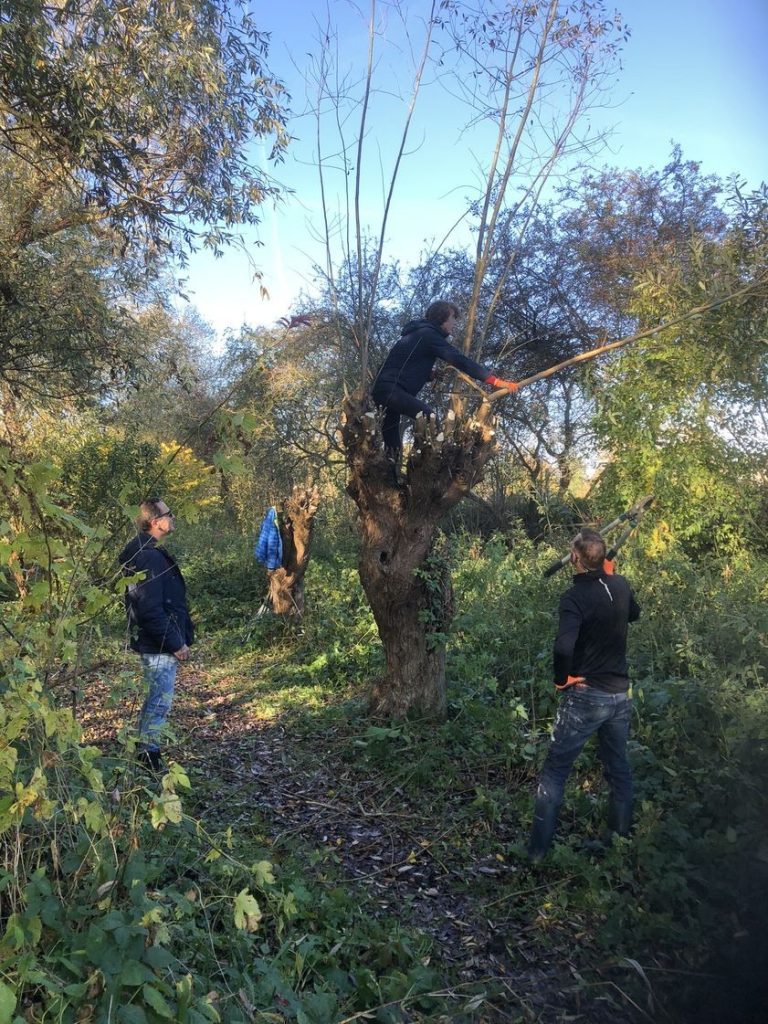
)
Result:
{"points": [[247, 911]]}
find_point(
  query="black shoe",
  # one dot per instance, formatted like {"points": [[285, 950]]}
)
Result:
{"points": [[151, 760]]}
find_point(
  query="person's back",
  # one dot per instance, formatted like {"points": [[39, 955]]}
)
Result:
{"points": [[597, 611], [411, 360], [156, 606], [590, 666]]}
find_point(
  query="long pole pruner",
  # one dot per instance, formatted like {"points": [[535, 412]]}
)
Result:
{"points": [[631, 518]]}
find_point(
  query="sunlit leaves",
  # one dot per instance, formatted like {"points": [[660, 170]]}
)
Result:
{"points": [[262, 873], [247, 911], [7, 1003], [144, 109]]}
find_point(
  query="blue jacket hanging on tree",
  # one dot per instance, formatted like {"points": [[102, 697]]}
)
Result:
{"points": [[269, 546]]}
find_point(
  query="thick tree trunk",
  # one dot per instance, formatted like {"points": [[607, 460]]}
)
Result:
{"points": [[286, 584], [405, 578]]}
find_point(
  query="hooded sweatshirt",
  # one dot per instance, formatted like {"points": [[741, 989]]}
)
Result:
{"points": [[411, 359]]}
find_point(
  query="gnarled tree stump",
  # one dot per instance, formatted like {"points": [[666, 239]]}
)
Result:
{"points": [[286, 584]]}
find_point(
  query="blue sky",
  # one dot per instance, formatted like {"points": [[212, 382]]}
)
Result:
{"points": [[694, 72]]}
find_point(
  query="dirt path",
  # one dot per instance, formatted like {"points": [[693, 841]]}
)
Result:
{"points": [[393, 851]]}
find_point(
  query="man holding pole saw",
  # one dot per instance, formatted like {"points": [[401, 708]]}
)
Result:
{"points": [[590, 666]]}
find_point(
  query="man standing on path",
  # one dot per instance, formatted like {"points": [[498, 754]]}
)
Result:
{"points": [[590, 665], [409, 365], [158, 618]]}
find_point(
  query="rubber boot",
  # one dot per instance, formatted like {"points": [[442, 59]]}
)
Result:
{"points": [[151, 760], [394, 456], [543, 830], [619, 816]]}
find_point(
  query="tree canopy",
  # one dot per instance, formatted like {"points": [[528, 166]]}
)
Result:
{"points": [[143, 113], [127, 136]]}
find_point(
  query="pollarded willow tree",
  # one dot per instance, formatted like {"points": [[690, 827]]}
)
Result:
{"points": [[528, 72]]}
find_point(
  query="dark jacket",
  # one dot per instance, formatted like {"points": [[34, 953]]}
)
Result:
{"points": [[411, 360], [592, 635], [156, 606]]}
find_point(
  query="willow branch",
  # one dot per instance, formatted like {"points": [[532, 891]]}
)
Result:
{"points": [[358, 178], [583, 357], [393, 179]]}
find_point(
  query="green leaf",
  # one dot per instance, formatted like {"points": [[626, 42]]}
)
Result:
{"points": [[7, 1003], [157, 957], [157, 1001], [176, 777], [135, 974], [78, 990], [184, 992], [131, 1014], [262, 872], [164, 809]]}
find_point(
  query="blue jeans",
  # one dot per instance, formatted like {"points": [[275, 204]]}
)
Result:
{"points": [[160, 677], [583, 711]]}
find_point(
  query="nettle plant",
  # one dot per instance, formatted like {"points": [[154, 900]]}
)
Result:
{"points": [[112, 900]]}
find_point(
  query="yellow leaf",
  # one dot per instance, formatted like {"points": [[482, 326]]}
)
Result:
{"points": [[247, 911]]}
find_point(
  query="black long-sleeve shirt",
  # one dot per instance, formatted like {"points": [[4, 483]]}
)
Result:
{"points": [[410, 361], [592, 633]]}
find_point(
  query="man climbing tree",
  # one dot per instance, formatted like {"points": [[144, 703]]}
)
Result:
{"points": [[410, 365]]}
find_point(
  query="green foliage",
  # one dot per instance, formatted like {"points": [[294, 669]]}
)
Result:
{"points": [[107, 476], [66, 325], [112, 895], [124, 135], [144, 111], [112, 891], [683, 412]]}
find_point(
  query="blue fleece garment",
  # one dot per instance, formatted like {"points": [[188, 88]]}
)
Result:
{"points": [[269, 546]]}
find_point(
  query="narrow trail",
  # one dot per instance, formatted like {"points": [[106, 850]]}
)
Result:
{"points": [[408, 862]]}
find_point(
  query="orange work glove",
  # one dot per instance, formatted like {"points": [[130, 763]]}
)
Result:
{"points": [[569, 681], [497, 382], [609, 568]]}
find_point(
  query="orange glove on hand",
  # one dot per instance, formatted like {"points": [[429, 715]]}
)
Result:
{"points": [[609, 567], [569, 681], [497, 382]]}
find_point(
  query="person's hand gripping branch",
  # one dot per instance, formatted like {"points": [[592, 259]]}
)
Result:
{"points": [[499, 383]]}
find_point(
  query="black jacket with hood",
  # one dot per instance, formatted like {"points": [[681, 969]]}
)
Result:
{"points": [[411, 359], [157, 605]]}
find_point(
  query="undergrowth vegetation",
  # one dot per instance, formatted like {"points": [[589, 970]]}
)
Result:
{"points": [[131, 899]]}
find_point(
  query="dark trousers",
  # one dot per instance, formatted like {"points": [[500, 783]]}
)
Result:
{"points": [[582, 712], [396, 402]]}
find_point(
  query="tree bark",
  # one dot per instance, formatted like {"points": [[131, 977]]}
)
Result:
{"points": [[403, 572], [286, 584]]}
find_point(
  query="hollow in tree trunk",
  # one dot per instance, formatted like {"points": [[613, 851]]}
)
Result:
{"points": [[286, 584], [405, 579]]}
